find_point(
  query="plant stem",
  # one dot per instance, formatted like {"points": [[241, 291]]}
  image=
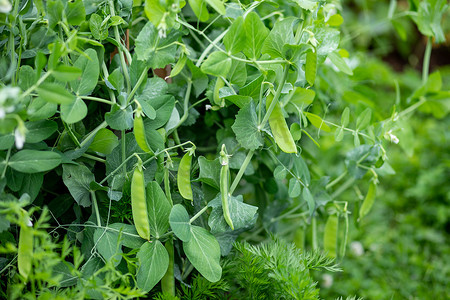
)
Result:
{"points": [[94, 158], [426, 61], [314, 233], [339, 178], [343, 187], [185, 107], [97, 213], [241, 171], [275, 98], [93, 133], [119, 49], [197, 215], [8, 154], [97, 99], [138, 84], [124, 154]]}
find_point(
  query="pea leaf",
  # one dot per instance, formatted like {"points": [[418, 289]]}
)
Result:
{"points": [[55, 93], [108, 245], [246, 128], [243, 215], [40, 109], [104, 141], [66, 73], [340, 63], [129, 235], [209, 171], [120, 119], [98, 31], [203, 251], [77, 178], [155, 50], [75, 12], [428, 18], [363, 119], [199, 9], [179, 222], [39, 130], [153, 263], [217, 64], [163, 106], [74, 112], [34, 161], [158, 209], [90, 71], [217, 5], [255, 34], [308, 197], [317, 122], [238, 71], [234, 40], [280, 35], [294, 188]]}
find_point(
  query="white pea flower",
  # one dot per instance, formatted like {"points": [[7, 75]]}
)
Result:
{"points": [[208, 107], [29, 223], [327, 281], [5, 6], [389, 136], [357, 248]]}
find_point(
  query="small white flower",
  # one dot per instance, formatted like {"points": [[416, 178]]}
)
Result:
{"points": [[357, 248], [5, 6], [19, 137], [327, 281], [208, 107], [389, 136], [29, 223], [2, 113]]}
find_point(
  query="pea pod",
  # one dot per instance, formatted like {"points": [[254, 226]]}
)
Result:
{"points": [[184, 177], [25, 252], [330, 235], [279, 128], [139, 131], [368, 201], [139, 202], [224, 186], [219, 84]]}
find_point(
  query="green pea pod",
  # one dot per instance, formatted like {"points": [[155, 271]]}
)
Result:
{"points": [[330, 235], [139, 133], [139, 203], [184, 177], [279, 128], [168, 281], [368, 201], [25, 253], [219, 84], [224, 186]]}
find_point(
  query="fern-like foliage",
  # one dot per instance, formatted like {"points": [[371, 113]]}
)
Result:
{"points": [[274, 270], [203, 289]]}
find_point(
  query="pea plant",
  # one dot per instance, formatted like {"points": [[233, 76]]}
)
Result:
{"points": [[152, 137]]}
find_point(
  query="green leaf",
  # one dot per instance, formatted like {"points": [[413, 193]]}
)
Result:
{"points": [[40, 109], [246, 128], [120, 119], [327, 38], [179, 222], [157, 52], [280, 35], [55, 10], [255, 34], [148, 110], [74, 112], [280, 173], [368, 201], [31, 185], [104, 141], [130, 238], [345, 118], [307, 4], [63, 269], [238, 71], [234, 39], [294, 188], [75, 12], [340, 63], [217, 64], [217, 5], [243, 215], [300, 99], [308, 197], [203, 251], [209, 171], [253, 88], [163, 106], [90, 69], [339, 134], [179, 66], [108, 245], [77, 178], [116, 79], [34, 161], [40, 130], [429, 17], [199, 9], [6, 141], [311, 67], [66, 73], [317, 122], [363, 119], [98, 31], [153, 263], [55, 93], [158, 209]]}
